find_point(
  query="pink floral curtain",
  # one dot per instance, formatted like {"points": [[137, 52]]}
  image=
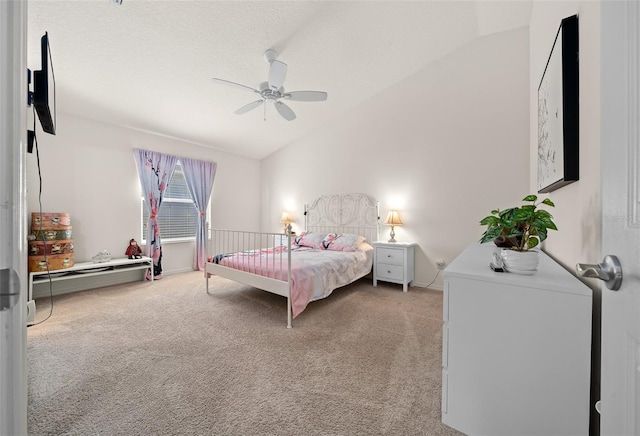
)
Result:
{"points": [[199, 176], [155, 171]]}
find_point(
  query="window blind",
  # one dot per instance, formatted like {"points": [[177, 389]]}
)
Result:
{"points": [[178, 216]]}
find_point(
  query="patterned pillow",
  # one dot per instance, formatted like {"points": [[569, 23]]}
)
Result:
{"points": [[328, 240], [345, 242], [310, 239]]}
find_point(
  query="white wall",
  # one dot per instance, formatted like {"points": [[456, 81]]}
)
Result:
{"points": [[578, 207], [88, 171], [444, 146], [577, 211]]}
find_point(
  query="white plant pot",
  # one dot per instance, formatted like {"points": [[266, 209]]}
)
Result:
{"points": [[520, 262]]}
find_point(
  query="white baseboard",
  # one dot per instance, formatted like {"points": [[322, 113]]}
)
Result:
{"points": [[424, 285], [177, 271], [31, 311]]}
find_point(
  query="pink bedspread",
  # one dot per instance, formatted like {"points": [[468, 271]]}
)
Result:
{"points": [[314, 273]]}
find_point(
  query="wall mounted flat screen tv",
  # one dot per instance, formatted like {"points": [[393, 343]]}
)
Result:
{"points": [[44, 89]]}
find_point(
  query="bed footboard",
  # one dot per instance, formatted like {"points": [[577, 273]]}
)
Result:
{"points": [[261, 260]]}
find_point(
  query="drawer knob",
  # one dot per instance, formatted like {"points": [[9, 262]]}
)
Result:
{"points": [[388, 255]]}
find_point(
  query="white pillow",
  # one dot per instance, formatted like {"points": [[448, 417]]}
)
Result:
{"points": [[310, 239], [344, 242]]}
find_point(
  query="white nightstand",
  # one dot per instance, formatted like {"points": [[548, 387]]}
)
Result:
{"points": [[393, 262], [279, 240]]}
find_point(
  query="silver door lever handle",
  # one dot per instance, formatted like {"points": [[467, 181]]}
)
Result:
{"points": [[610, 271], [592, 271]]}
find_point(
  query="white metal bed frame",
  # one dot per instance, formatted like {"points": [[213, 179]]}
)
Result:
{"points": [[339, 213]]}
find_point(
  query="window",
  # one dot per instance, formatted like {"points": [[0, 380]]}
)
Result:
{"points": [[178, 216]]}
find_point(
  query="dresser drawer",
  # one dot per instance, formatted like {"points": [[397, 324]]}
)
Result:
{"points": [[389, 271], [390, 255]]}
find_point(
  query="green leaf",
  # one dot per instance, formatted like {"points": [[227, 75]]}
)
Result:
{"points": [[530, 198], [532, 242], [548, 202], [542, 234], [490, 221], [491, 234], [544, 223], [507, 212], [495, 231], [523, 214], [495, 211], [514, 233], [543, 213]]}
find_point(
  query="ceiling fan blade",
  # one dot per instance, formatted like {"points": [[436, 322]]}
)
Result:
{"points": [[285, 111], [277, 74], [306, 96], [247, 107], [234, 85]]}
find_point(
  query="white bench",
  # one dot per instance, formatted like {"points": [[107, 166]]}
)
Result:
{"points": [[89, 269]]}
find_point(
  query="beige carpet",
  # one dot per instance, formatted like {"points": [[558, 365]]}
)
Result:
{"points": [[166, 358]]}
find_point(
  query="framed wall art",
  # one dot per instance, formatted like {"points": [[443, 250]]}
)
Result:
{"points": [[558, 111]]}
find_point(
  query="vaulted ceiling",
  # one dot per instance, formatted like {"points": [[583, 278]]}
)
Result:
{"points": [[148, 64]]}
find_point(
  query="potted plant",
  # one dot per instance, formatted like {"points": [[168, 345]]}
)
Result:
{"points": [[519, 230]]}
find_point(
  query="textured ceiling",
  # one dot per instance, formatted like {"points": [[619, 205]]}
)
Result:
{"points": [[149, 64]]}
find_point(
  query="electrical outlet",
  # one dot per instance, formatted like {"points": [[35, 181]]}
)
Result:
{"points": [[440, 263]]}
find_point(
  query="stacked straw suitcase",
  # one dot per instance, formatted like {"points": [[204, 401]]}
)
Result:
{"points": [[50, 242]]}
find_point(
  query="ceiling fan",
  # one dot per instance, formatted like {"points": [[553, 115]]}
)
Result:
{"points": [[272, 91]]}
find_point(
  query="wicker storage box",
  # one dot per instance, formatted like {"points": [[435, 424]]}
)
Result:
{"points": [[50, 235], [50, 243], [40, 248], [50, 221], [55, 261]]}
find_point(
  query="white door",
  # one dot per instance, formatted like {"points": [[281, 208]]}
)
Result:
{"points": [[620, 171], [13, 130]]}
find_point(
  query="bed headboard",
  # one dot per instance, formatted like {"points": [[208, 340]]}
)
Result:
{"points": [[344, 213]]}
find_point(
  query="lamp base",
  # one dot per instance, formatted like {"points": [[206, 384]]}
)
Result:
{"points": [[393, 236]]}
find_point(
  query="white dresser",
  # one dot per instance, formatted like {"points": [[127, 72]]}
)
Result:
{"points": [[516, 349], [393, 262]]}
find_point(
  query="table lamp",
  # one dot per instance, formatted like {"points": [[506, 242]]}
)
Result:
{"points": [[286, 220], [393, 220]]}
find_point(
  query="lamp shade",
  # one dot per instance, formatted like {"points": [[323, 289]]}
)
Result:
{"points": [[285, 218], [393, 219]]}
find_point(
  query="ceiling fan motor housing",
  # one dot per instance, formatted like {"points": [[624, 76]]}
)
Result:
{"points": [[269, 94]]}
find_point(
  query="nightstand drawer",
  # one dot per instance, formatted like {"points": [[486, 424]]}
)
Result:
{"points": [[390, 255], [388, 271]]}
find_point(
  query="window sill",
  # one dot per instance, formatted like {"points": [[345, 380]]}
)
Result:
{"points": [[174, 241]]}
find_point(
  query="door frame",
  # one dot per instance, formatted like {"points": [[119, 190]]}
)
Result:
{"points": [[13, 259]]}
